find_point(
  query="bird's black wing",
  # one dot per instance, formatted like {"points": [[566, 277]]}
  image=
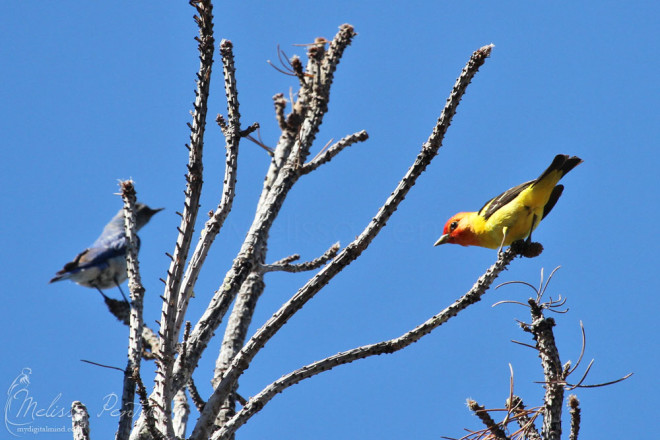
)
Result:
{"points": [[554, 196], [491, 206]]}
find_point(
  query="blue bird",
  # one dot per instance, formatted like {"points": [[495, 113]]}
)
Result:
{"points": [[103, 264]]}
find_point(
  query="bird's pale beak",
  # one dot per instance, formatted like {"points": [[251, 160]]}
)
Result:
{"points": [[442, 240]]}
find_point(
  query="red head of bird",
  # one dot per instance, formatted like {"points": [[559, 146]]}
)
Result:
{"points": [[458, 230]]}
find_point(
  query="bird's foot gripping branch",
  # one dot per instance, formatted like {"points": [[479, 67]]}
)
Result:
{"points": [[529, 249]]}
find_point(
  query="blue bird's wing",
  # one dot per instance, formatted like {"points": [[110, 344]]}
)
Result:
{"points": [[104, 249]]}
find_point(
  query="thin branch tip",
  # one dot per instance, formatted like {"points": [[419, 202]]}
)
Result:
{"points": [[226, 45]]}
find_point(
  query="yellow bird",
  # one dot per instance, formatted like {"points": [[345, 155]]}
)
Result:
{"points": [[512, 215]]}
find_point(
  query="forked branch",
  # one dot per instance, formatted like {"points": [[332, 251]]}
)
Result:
{"points": [[256, 403], [345, 257]]}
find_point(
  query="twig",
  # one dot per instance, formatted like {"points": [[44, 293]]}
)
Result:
{"points": [[102, 365], [386, 347], [506, 283], [574, 405], [542, 291], [280, 105], [287, 260], [515, 404], [297, 67], [523, 344], [604, 384], [487, 420], [334, 150], [260, 143], [508, 302], [286, 266], [287, 68], [584, 376], [584, 346], [510, 398], [194, 395]]}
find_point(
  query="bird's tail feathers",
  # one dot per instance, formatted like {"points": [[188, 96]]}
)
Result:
{"points": [[69, 268], [562, 163]]}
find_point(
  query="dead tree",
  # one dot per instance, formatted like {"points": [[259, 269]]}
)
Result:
{"points": [[177, 345]]}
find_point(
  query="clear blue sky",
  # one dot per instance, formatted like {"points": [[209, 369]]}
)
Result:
{"points": [[93, 92]]}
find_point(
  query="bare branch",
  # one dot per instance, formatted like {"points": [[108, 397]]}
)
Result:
{"points": [[350, 253], [334, 150], [212, 227], [287, 66], [516, 406], [524, 345], [386, 347], [235, 335], [231, 92], [79, 421], [541, 328], [280, 105], [487, 420], [111, 367], [253, 286], [508, 302], [542, 291], [510, 398], [150, 344], [194, 395], [517, 282], [180, 413], [251, 129], [297, 67], [584, 346], [316, 95], [136, 323], [286, 266], [147, 408], [269, 206], [163, 390], [574, 404], [604, 384], [584, 376], [260, 143], [287, 260]]}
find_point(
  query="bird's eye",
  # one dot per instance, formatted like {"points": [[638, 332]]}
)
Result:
{"points": [[452, 226]]}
